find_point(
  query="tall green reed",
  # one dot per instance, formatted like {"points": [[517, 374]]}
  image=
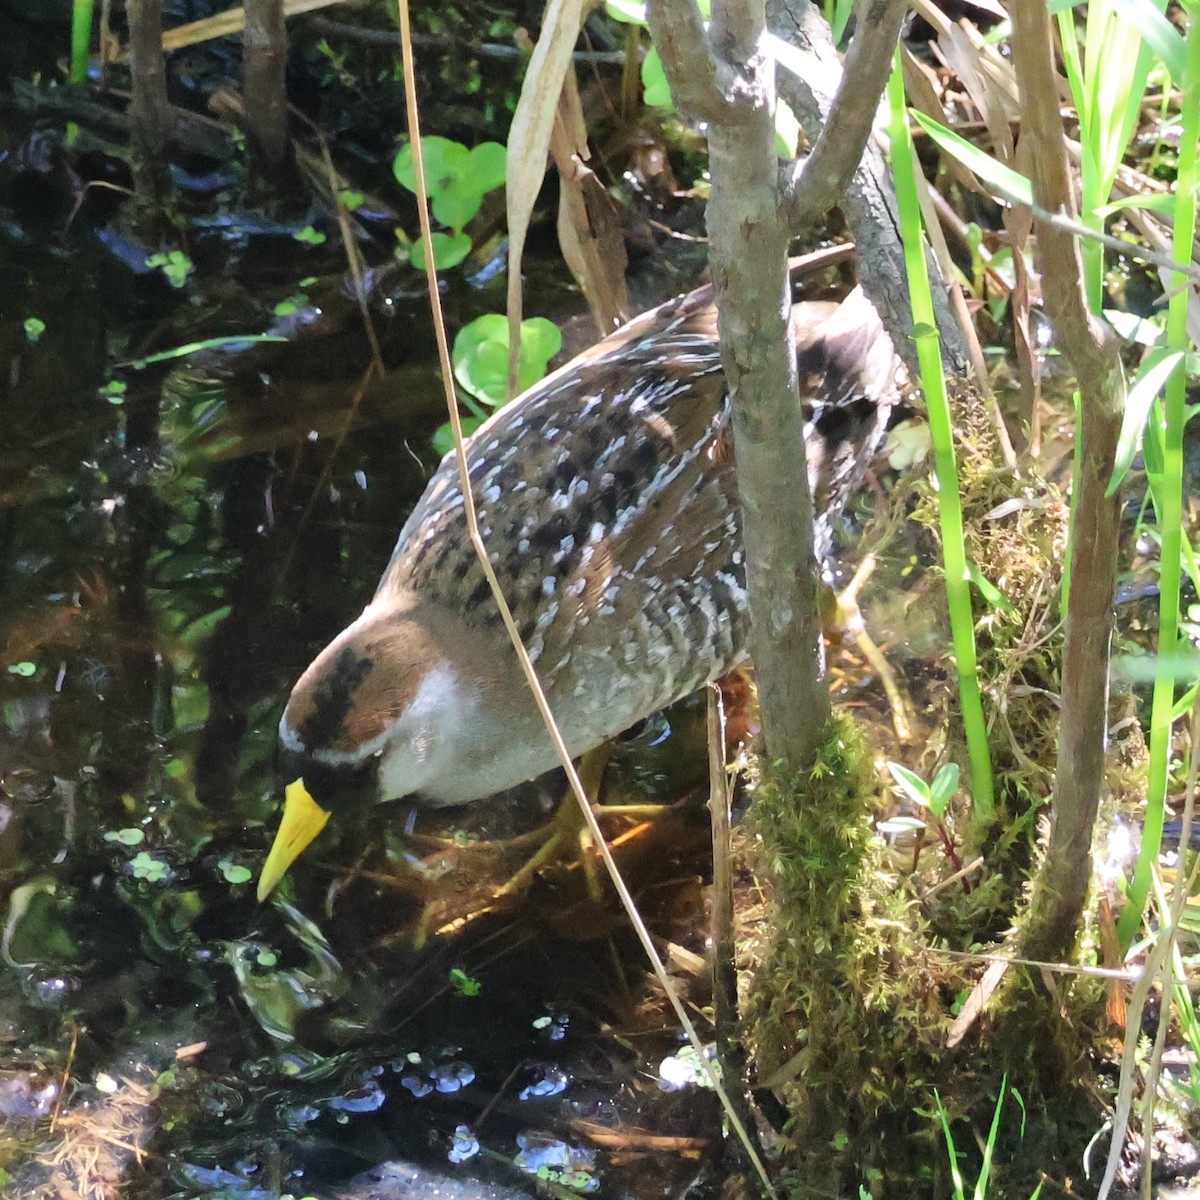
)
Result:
{"points": [[933, 381]]}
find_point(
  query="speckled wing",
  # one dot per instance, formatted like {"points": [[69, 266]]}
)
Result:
{"points": [[607, 499], [597, 498]]}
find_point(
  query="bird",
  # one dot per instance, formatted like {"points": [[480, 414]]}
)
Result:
{"points": [[607, 500]]}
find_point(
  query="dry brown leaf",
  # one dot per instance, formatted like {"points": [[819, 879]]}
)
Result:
{"points": [[225, 24], [529, 145], [976, 1001], [588, 233]]}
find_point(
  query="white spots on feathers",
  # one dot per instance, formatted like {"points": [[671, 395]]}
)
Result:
{"points": [[613, 525]]}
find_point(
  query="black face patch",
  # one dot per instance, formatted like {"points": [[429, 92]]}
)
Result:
{"points": [[338, 789], [333, 699]]}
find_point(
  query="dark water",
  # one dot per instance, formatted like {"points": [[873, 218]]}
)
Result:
{"points": [[171, 556]]}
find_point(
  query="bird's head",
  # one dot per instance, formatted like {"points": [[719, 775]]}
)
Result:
{"points": [[375, 717]]}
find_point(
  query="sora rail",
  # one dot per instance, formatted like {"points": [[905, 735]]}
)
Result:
{"points": [[608, 502]]}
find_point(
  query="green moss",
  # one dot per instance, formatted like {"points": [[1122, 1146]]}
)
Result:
{"points": [[842, 1015], [847, 999]]}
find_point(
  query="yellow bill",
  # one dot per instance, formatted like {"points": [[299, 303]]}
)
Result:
{"points": [[303, 818]]}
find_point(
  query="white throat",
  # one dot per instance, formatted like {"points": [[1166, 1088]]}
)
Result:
{"points": [[423, 750]]}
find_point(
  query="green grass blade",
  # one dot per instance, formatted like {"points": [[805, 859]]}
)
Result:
{"points": [[1161, 36], [1011, 184], [933, 380], [951, 1153], [1147, 384], [989, 1148], [81, 38]]}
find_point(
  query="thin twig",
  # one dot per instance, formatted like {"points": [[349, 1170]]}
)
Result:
{"points": [[1184, 887], [817, 182], [332, 27]]}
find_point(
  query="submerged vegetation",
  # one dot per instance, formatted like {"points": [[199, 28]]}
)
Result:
{"points": [[221, 408]]}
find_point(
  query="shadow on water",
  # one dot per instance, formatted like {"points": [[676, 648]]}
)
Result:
{"points": [[171, 556]]}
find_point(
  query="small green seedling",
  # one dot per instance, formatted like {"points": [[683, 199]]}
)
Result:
{"points": [[145, 866], [979, 1191], [464, 983], [933, 796], [456, 179], [174, 264]]}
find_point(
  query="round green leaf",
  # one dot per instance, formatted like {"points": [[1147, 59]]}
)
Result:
{"points": [[126, 837], [445, 164], [481, 355], [233, 872], [541, 340], [486, 167], [489, 370], [455, 177], [455, 206], [145, 866], [449, 249], [443, 439], [476, 365]]}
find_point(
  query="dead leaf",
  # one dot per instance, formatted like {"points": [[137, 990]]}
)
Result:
{"points": [[529, 146]]}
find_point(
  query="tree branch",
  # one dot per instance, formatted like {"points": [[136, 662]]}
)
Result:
{"points": [[1061, 888], [803, 45], [817, 182], [700, 84], [748, 243]]}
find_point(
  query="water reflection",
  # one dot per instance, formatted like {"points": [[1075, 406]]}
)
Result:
{"points": [[173, 552]]}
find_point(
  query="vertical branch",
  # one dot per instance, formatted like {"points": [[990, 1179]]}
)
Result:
{"points": [[149, 111], [748, 258], [1061, 888], [735, 91], [810, 80], [727, 78], [264, 86]]}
